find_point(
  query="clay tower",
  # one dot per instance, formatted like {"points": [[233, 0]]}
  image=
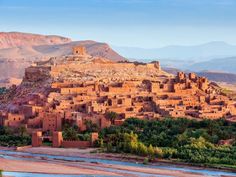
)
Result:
{"points": [[79, 50]]}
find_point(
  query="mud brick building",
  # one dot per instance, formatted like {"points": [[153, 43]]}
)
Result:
{"points": [[82, 88]]}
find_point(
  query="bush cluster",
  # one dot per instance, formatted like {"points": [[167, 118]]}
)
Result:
{"points": [[191, 141], [14, 137]]}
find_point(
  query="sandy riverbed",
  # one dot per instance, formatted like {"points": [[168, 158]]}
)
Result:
{"points": [[30, 163], [46, 167], [90, 153]]}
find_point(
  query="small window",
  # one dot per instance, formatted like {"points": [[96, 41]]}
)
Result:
{"points": [[119, 101]]}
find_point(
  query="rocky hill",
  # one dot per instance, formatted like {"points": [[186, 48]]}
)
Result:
{"points": [[43, 75], [15, 39], [93, 86], [20, 50]]}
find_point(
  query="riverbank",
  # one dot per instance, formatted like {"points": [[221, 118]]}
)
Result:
{"points": [[46, 167], [46, 160], [85, 162], [94, 153]]}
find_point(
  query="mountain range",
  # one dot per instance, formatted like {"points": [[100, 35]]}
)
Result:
{"points": [[220, 64], [203, 52], [217, 56]]}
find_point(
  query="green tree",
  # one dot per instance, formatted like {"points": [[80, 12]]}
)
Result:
{"points": [[22, 130], [200, 143], [151, 151], [90, 126], [1, 173], [158, 152], [112, 116], [70, 134], [142, 149], [188, 140]]}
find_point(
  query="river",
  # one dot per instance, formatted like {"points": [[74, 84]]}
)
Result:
{"points": [[104, 165]]}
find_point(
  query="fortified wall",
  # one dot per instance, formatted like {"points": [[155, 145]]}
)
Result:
{"points": [[36, 73]]}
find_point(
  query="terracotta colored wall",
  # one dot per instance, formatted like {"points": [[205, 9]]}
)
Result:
{"points": [[94, 137], [36, 139], [79, 50], [52, 122], [119, 122], [57, 139]]}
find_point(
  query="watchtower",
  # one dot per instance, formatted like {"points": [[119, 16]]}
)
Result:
{"points": [[79, 50]]}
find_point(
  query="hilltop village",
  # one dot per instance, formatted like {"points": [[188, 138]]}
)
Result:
{"points": [[78, 88]]}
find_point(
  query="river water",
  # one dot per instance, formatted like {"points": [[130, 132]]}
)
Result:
{"points": [[17, 155]]}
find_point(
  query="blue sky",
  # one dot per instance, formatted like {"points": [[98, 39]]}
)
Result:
{"points": [[134, 23]]}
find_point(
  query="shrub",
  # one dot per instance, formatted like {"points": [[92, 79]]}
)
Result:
{"points": [[1, 173], [189, 140]]}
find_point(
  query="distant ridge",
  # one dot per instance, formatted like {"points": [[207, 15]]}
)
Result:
{"points": [[227, 64], [202, 52], [219, 76]]}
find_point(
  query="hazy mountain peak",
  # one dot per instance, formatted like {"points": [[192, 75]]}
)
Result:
{"points": [[216, 43], [197, 53]]}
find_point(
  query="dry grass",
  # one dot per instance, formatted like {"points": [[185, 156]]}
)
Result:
{"points": [[228, 89]]}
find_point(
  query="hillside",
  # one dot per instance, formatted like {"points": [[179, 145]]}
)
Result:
{"points": [[94, 86], [43, 52], [16, 39], [20, 50]]}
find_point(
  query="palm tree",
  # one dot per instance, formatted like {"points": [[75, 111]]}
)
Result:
{"points": [[22, 130], [111, 116]]}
